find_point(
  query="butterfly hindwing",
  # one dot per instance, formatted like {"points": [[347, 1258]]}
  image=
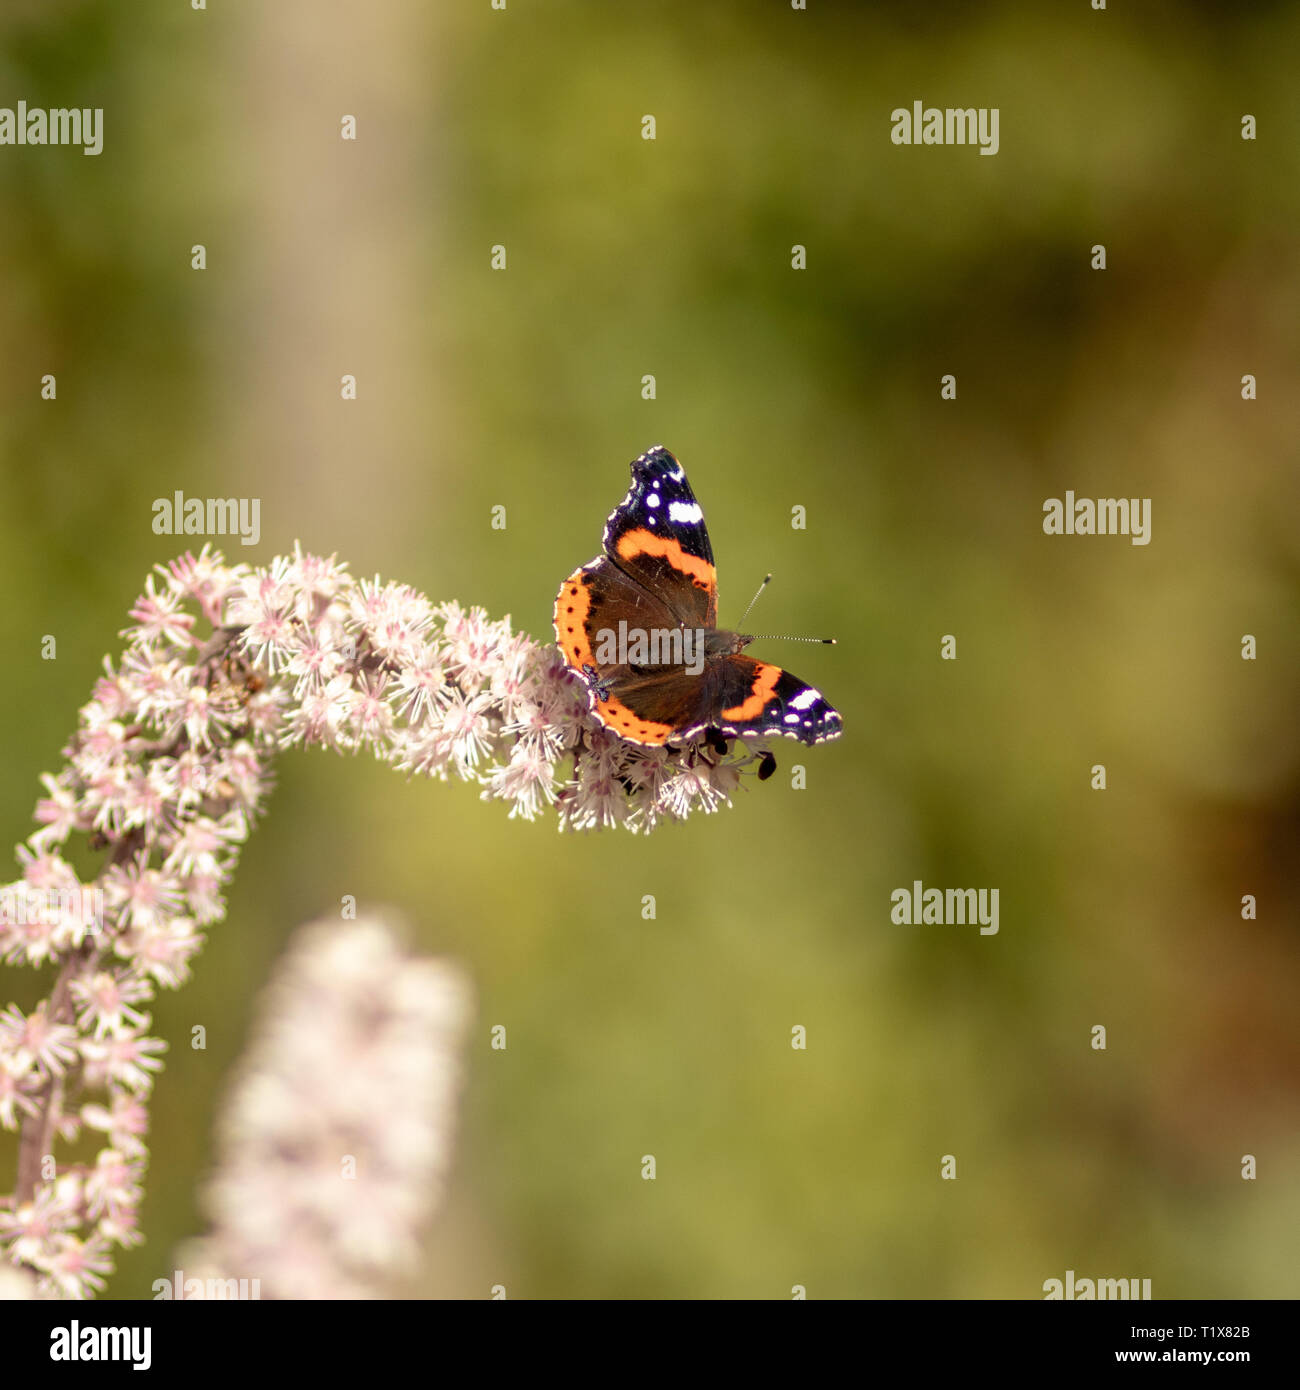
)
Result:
{"points": [[755, 697], [735, 695]]}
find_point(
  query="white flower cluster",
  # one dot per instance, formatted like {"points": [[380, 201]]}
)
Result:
{"points": [[441, 691], [166, 773], [334, 1143]]}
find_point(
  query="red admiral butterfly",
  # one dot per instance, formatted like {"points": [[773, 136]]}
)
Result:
{"points": [[639, 623]]}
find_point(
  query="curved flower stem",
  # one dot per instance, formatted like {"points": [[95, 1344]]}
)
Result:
{"points": [[37, 1138]]}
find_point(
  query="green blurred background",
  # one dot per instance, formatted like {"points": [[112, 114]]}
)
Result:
{"points": [[775, 387]]}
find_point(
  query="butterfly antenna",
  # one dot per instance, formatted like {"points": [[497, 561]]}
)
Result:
{"points": [[772, 636], [754, 600]]}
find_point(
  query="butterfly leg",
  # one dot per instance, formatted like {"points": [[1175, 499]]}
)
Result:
{"points": [[599, 689]]}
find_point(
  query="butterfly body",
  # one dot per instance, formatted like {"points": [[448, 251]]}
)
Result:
{"points": [[639, 623]]}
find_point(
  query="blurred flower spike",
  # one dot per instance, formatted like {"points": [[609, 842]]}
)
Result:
{"points": [[333, 1146]]}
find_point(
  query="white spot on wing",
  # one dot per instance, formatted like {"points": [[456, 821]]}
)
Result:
{"points": [[688, 513], [652, 500], [805, 698]]}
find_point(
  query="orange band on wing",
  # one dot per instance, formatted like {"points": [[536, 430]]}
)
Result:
{"points": [[572, 607], [765, 679], [572, 604], [618, 717], [634, 543]]}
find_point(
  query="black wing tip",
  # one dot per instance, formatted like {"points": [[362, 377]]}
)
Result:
{"points": [[655, 457]]}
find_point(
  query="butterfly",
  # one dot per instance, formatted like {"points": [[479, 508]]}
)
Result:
{"points": [[639, 624]]}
